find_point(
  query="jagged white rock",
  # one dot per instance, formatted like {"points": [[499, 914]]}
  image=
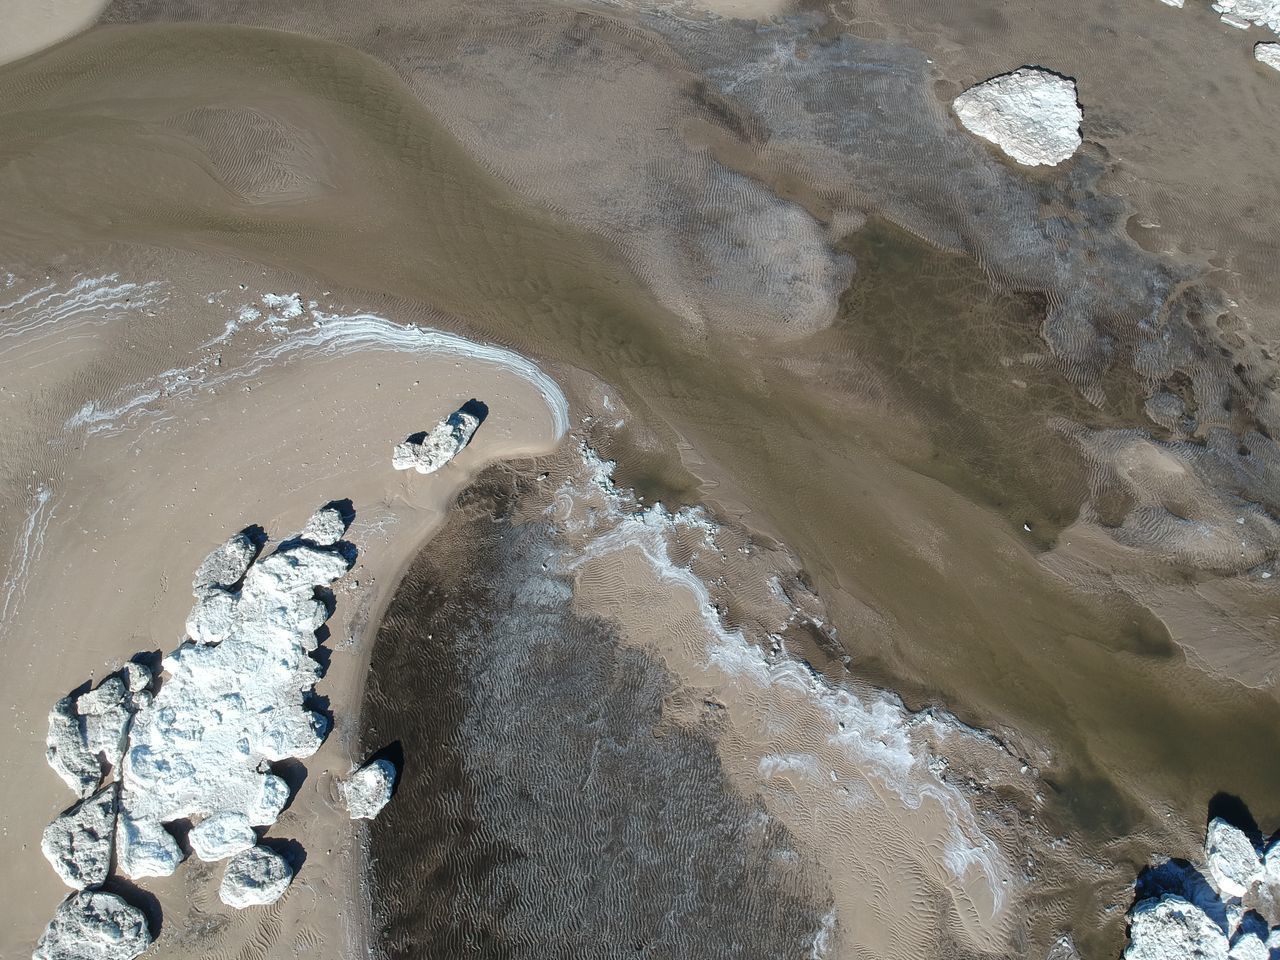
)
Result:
{"points": [[92, 925], [223, 835], [1030, 114], [367, 791], [325, 528], [78, 843], [1232, 862], [230, 707], [87, 733], [1241, 13], [1268, 53], [1249, 946], [255, 877], [1170, 928], [442, 444]]}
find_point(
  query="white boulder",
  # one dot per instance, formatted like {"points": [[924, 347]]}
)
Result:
{"points": [[1030, 114], [325, 528], [1268, 53], [78, 843], [256, 877], [1232, 862], [367, 791], [87, 734], [442, 444], [222, 835], [1170, 928], [1249, 946], [234, 704], [92, 925]]}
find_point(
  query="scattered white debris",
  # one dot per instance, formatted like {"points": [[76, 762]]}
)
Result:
{"points": [[442, 444], [222, 835], [1030, 114], [1242, 13], [367, 790], [233, 703], [92, 925], [256, 877], [78, 843], [1170, 928], [1268, 53], [87, 733], [1234, 866], [287, 305]]}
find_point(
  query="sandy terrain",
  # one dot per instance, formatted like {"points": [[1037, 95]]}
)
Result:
{"points": [[31, 25], [129, 510]]}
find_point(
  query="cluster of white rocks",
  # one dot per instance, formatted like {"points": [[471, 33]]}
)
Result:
{"points": [[1246, 13], [1031, 114], [437, 448], [1233, 913], [368, 789], [232, 703]]}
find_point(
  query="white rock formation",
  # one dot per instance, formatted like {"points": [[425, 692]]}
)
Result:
{"points": [[1030, 114], [367, 791], [92, 925], [233, 704], [1249, 946], [78, 843], [442, 444], [255, 877], [1233, 864], [223, 835], [1268, 53], [1172, 3], [1242, 13], [1170, 928], [87, 733], [325, 528]]}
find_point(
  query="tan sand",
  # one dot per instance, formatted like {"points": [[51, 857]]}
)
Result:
{"points": [[126, 525], [32, 25]]}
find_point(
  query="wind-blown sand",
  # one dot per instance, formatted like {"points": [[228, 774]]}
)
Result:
{"points": [[135, 498], [32, 25]]}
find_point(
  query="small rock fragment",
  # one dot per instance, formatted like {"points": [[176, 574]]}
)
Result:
{"points": [[1233, 864], [256, 877], [1268, 53], [367, 791], [1170, 928], [442, 444], [78, 843], [92, 925], [1030, 114], [222, 835]]}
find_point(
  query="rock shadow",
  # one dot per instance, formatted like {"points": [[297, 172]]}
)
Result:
{"points": [[136, 896]]}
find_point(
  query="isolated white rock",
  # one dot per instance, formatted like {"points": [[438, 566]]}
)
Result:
{"points": [[1268, 53], [1232, 862], [222, 835], [1172, 3], [234, 704], [78, 843], [367, 791], [255, 877], [442, 444], [1030, 114], [92, 925], [1170, 928]]}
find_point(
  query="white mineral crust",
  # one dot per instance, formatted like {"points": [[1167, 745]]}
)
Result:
{"points": [[1030, 114], [78, 843], [233, 705], [222, 835], [255, 877], [367, 790], [1233, 864], [1268, 53], [1170, 928], [92, 925], [442, 444]]}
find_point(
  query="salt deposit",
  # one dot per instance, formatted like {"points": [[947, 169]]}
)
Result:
{"points": [[92, 925], [233, 702], [256, 877], [1030, 114], [222, 835], [78, 843], [367, 790], [1268, 53], [437, 448]]}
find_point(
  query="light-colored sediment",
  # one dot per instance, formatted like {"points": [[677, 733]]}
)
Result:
{"points": [[258, 427], [32, 25]]}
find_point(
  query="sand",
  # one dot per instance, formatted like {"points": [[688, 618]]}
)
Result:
{"points": [[32, 25], [128, 515]]}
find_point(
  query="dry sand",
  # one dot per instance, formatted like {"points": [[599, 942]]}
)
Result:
{"points": [[32, 25], [129, 514]]}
